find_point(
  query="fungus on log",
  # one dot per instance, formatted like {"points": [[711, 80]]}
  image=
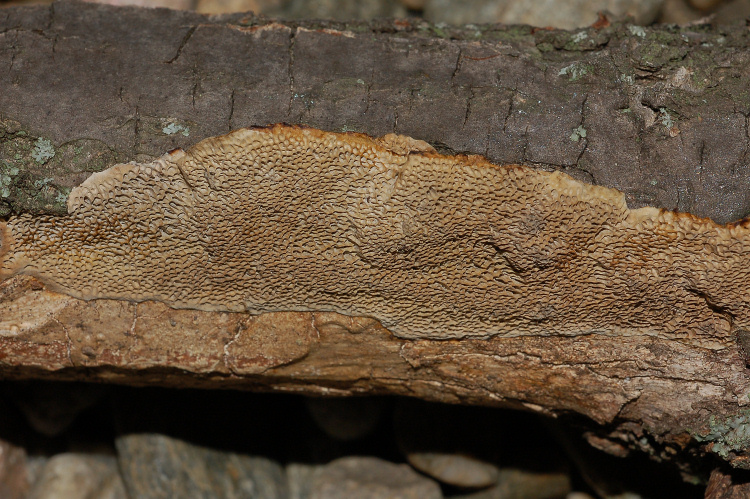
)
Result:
{"points": [[665, 117], [434, 247]]}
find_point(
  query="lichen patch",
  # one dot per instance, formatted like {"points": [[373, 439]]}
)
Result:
{"points": [[295, 219]]}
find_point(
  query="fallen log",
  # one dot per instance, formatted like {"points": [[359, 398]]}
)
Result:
{"points": [[660, 114]]}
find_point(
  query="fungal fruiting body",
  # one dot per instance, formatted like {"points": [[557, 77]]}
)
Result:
{"points": [[296, 219]]}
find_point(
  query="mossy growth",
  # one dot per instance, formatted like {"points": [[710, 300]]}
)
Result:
{"points": [[576, 71], [657, 49], [7, 173], [36, 175]]}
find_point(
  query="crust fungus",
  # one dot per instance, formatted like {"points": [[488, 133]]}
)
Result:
{"points": [[296, 219]]}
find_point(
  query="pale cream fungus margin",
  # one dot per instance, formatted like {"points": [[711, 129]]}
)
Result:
{"points": [[296, 219]]}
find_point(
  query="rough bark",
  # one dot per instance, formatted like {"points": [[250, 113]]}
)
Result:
{"points": [[661, 114]]}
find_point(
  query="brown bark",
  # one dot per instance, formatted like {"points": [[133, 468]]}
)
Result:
{"points": [[659, 113], [721, 485]]}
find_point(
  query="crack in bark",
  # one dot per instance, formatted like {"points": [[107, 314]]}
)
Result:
{"points": [[184, 41], [225, 356], [457, 67], [290, 68], [231, 111], [701, 152], [368, 88], [468, 105], [508, 114], [69, 344], [14, 51], [51, 19], [136, 130], [584, 140], [131, 331]]}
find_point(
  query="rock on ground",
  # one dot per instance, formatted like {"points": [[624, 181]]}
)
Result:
{"points": [[14, 479], [72, 475], [371, 478], [516, 484], [455, 469], [155, 466]]}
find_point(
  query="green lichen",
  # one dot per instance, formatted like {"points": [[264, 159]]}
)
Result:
{"points": [[62, 195], [666, 119], [579, 37], [43, 151], [545, 47], [730, 434], [659, 49], [42, 183], [439, 30], [173, 128], [588, 39], [7, 173], [576, 71], [36, 177], [637, 31], [306, 100], [578, 134]]}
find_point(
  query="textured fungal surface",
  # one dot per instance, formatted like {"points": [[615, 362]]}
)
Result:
{"points": [[293, 219]]}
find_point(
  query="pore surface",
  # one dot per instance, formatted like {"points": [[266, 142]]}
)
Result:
{"points": [[285, 218]]}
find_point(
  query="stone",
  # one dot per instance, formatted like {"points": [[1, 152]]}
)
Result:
{"points": [[370, 478], [472, 447], [14, 478], [569, 14], [705, 5], [71, 475], [455, 469], [678, 12], [735, 11], [522, 484], [159, 466], [299, 479]]}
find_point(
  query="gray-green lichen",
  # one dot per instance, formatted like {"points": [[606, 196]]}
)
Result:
{"points": [[731, 434], [7, 173], [36, 177], [173, 128], [637, 31], [665, 118], [578, 133], [43, 151], [576, 71]]}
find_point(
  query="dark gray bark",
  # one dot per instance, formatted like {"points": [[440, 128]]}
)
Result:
{"points": [[664, 110]]}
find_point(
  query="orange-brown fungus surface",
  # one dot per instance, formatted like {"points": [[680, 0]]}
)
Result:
{"points": [[292, 219]]}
